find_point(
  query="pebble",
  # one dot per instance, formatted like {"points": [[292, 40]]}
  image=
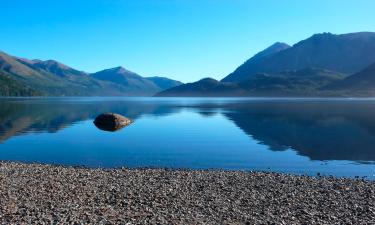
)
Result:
{"points": [[47, 194]]}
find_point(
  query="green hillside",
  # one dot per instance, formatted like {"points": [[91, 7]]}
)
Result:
{"points": [[11, 87]]}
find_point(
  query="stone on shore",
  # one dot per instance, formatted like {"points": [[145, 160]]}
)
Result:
{"points": [[111, 121]]}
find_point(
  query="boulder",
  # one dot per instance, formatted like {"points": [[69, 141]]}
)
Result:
{"points": [[111, 121]]}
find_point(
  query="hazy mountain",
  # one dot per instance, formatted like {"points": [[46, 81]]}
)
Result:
{"points": [[132, 82], [361, 82], [164, 83], [118, 75], [304, 82], [56, 79], [346, 53]]}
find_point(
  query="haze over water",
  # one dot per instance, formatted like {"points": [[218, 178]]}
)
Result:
{"points": [[302, 136]]}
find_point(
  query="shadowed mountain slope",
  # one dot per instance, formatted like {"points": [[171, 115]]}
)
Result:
{"points": [[164, 83], [305, 82], [204, 87], [346, 53], [363, 82]]}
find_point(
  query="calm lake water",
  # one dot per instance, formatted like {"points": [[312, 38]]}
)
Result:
{"points": [[303, 136]]}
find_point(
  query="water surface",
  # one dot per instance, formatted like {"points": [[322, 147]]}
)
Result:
{"points": [[303, 136]]}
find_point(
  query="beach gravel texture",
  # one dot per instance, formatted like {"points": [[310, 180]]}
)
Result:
{"points": [[44, 194]]}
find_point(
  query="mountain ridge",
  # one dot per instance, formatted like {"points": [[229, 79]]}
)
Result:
{"points": [[302, 82], [52, 78], [324, 64], [344, 53], [363, 81]]}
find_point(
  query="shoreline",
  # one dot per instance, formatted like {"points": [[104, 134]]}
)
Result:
{"points": [[43, 193], [186, 169]]}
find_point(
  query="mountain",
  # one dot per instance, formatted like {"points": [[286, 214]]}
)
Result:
{"points": [[256, 59], [164, 83], [205, 87], [11, 87], [361, 82], [134, 83], [345, 53], [273, 49], [21, 72], [53, 78], [304, 82], [11, 65], [54, 67]]}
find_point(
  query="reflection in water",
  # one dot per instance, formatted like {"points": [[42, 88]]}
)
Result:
{"points": [[323, 130], [320, 131], [19, 116], [109, 128]]}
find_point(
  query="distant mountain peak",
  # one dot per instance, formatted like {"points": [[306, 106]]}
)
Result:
{"points": [[119, 70], [208, 80], [28, 61], [279, 44], [55, 67], [266, 53], [324, 34], [36, 61], [274, 48], [51, 63]]}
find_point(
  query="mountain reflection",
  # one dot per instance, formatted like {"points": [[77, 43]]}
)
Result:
{"points": [[19, 117], [320, 130]]}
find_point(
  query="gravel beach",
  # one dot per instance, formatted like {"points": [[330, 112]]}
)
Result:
{"points": [[45, 194]]}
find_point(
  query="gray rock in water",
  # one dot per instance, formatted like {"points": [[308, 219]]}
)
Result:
{"points": [[111, 121]]}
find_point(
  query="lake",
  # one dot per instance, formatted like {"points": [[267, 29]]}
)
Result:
{"points": [[299, 136]]}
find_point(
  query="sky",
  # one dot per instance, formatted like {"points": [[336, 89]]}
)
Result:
{"points": [[182, 39]]}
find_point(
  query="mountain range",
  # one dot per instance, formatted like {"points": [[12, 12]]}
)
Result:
{"points": [[24, 77], [322, 65], [304, 82]]}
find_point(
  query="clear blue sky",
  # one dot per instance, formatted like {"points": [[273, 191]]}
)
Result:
{"points": [[181, 39]]}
